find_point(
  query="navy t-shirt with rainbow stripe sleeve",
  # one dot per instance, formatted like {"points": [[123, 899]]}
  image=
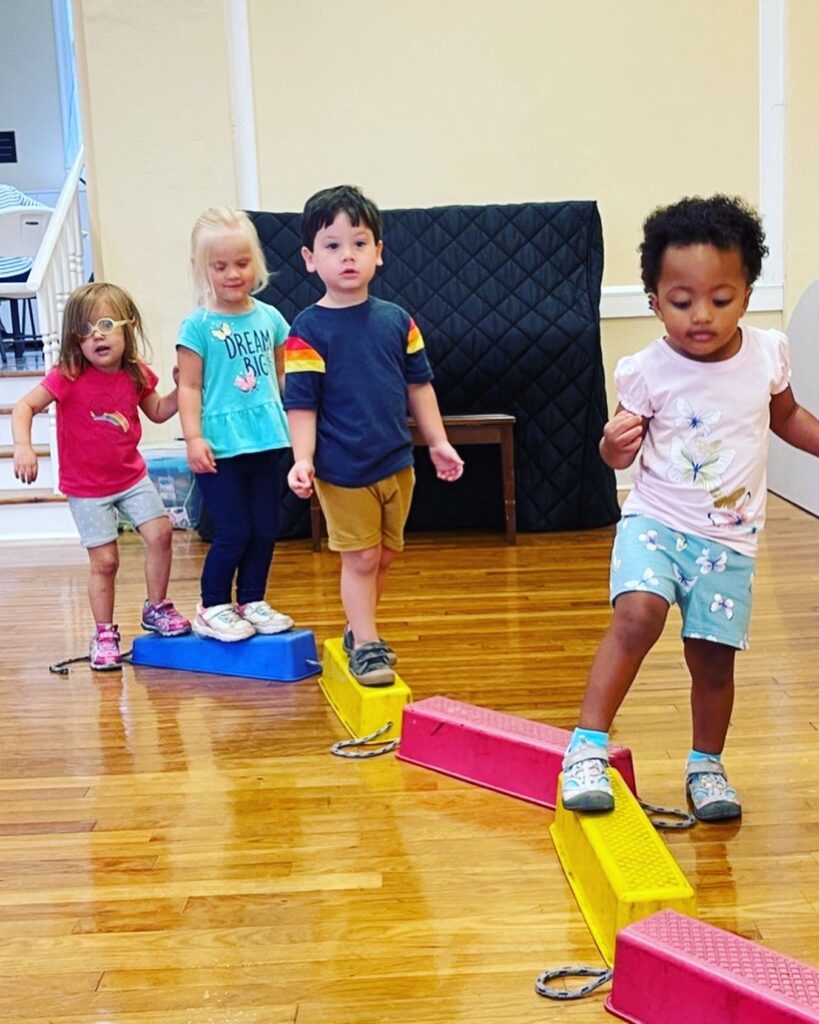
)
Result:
{"points": [[353, 366]]}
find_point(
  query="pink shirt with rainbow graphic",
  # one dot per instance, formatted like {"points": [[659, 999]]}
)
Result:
{"points": [[98, 430]]}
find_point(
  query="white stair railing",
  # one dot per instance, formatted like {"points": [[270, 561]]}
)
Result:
{"points": [[57, 270]]}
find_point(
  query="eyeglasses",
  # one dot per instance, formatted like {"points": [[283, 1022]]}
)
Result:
{"points": [[103, 326]]}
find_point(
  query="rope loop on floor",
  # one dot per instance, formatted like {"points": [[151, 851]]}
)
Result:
{"points": [[60, 668], [601, 976], [684, 819], [345, 748]]}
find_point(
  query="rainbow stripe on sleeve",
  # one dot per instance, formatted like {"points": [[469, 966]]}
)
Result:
{"points": [[301, 357], [415, 341]]}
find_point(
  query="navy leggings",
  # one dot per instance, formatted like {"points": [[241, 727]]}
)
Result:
{"points": [[242, 497]]}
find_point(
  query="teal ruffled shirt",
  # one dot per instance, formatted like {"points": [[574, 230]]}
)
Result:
{"points": [[241, 404]]}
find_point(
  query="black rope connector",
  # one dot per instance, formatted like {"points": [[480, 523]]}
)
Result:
{"points": [[601, 975], [344, 747]]}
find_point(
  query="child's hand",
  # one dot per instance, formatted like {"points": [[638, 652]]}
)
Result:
{"points": [[200, 457], [447, 462], [175, 375], [300, 478], [622, 437], [25, 463]]}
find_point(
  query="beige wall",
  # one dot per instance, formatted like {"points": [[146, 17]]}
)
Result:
{"points": [[425, 102]]}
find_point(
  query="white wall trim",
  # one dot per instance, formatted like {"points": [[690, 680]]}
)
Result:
{"points": [[772, 92], [242, 111]]}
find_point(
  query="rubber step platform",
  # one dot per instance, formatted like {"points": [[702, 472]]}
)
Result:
{"points": [[278, 658], [511, 755], [618, 866], [361, 709], [671, 969]]}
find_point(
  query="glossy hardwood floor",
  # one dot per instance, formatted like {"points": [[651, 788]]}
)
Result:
{"points": [[183, 848]]}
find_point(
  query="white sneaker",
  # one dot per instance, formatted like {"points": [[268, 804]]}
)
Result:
{"points": [[263, 618], [221, 622]]}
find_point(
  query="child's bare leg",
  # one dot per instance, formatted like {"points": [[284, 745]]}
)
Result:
{"points": [[359, 591], [712, 699], [158, 537], [712, 692], [386, 560], [635, 627], [104, 563]]}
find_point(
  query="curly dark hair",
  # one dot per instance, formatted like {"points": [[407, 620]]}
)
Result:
{"points": [[321, 210], [726, 222]]}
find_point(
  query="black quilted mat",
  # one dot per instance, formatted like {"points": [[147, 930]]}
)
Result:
{"points": [[507, 298]]}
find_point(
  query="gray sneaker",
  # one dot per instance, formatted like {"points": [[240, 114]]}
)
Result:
{"points": [[348, 644], [708, 790], [586, 783], [370, 665]]}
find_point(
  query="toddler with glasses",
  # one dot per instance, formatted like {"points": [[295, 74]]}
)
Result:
{"points": [[100, 383]]}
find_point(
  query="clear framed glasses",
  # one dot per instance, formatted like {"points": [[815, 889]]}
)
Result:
{"points": [[103, 326]]}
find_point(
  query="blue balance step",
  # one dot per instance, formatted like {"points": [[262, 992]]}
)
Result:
{"points": [[280, 658]]}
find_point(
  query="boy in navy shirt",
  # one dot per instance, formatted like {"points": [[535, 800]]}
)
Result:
{"points": [[355, 366]]}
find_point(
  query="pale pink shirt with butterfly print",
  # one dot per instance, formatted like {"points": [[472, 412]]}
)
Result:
{"points": [[703, 464]]}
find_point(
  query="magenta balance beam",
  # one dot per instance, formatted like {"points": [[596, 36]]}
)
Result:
{"points": [[673, 969], [502, 752]]}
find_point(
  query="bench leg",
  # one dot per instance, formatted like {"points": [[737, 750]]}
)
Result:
{"points": [[315, 522], [508, 473]]}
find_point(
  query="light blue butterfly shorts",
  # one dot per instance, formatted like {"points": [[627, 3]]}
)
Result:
{"points": [[711, 583]]}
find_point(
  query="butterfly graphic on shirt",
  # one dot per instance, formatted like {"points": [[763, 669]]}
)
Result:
{"points": [[730, 511], [116, 419], [702, 464], [246, 382], [696, 420], [222, 332]]}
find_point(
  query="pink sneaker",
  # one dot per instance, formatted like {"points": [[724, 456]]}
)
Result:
{"points": [[104, 652], [164, 619]]}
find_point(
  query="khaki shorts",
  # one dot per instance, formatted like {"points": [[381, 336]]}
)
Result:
{"points": [[362, 517]]}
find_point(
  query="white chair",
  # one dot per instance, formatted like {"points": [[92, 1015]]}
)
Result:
{"points": [[21, 232]]}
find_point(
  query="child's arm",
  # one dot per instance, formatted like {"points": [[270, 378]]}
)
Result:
{"points": [[622, 437], [302, 423], [423, 406], [280, 368], [25, 458], [793, 423], [200, 456], [159, 408]]}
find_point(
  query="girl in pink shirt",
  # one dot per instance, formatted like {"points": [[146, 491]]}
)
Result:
{"points": [[100, 384]]}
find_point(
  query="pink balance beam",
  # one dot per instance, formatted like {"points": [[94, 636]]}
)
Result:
{"points": [[501, 752], [672, 969]]}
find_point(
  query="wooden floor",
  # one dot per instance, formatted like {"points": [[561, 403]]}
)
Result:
{"points": [[182, 848]]}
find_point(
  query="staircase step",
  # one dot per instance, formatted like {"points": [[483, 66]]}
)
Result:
{"points": [[16, 383], [29, 495], [39, 427]]}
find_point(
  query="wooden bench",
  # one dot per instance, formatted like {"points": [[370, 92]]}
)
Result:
{"points": [[489, 428]]}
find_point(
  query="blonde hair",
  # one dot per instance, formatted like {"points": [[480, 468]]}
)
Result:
{"points": [[216, 221], [80, 308]]}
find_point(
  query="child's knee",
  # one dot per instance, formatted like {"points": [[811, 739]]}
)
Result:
{"points": [[639, 618], [363, 562], [104, 560]]}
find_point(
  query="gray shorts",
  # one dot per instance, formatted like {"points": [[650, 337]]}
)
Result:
{"points": [[97, 520]]}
